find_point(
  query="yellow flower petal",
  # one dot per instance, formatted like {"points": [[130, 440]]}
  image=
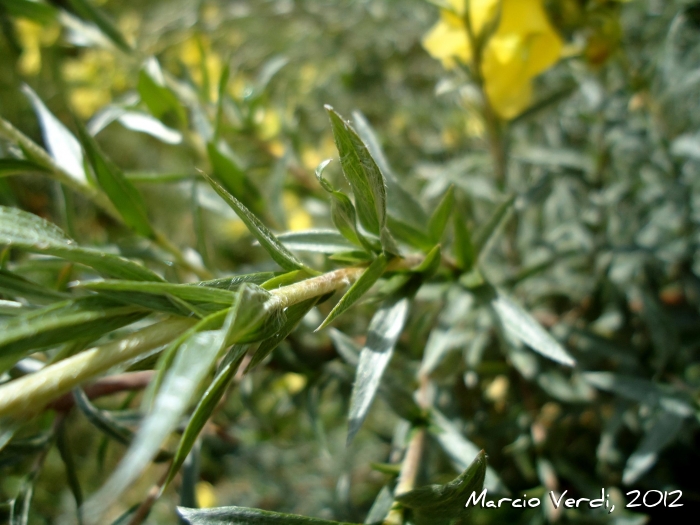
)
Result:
{"points": [[446, 42]]}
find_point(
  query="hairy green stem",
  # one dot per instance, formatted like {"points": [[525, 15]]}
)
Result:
{"points": [[29, 394]]}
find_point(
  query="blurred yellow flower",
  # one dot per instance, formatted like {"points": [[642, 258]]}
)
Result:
{"points": [[523, 46]]}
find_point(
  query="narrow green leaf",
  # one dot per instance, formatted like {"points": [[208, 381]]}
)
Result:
{"points": [[401, 204], [19, 514], [15, 285], [265, 237], [205, 407], [159, 99], [381, 506], [362, 172], [664, 431], [34, 234], [342, 211], [193, 361], [462, 246], [445, 503], [36, 11], [246, 516], [486, 232], [409, 234], [521, 325], [460, 449], [70, 467], [101, 419], [91, 13], [221, 96], [88, 317], [357, 290], [384, 330], [186, 292], [642, 391], [148, 124], [294, 314], [317, 241], [228, 171], [438, 220], [16, 166], [61, 144], [125, 197], [233, 282]]}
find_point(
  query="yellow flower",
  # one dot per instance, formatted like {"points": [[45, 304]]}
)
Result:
{"points": [[523, 46]]}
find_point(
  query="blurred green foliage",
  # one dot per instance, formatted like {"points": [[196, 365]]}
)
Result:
{"points": [[583, 220]]}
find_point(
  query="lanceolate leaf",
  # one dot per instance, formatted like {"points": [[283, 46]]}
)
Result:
{"points": [[17, 286], [206, 406], [642, 391], [357, 290], [16, 166], [232, 177], [194, 360], [384, 331], [31, 233], [363, 174], [318, 241], [265, 237], [485, 233], [439, 218], [125, 197], [86, 317], [62, 145], [89, 12], [197, 294], [36, 11], [246, 516], [521, 325], [400, 203], [436, 504]]}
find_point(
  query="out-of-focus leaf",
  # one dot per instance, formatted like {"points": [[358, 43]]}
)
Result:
{"points": [[460, 449], [267, 72], [363, 174], [137, 121], [521, 325], [294, 314], [62, 145], [319, 241], [486, 232], [33, 234], [357, 290], [384, 330], [438, 220], [441, 504], [37, 11], [16, 166], [440, 342], [409, 234], [17, 286], [158, 98], [246, 516], [568, 390], [265, 237], [101, 419], [205, 407], [89, 12], [557, 158], [125, 197], [661, 434], [19, 514], [381, 506], [641, 390], [346, 347], [463, 247], [195, 358], [227, 169], [85, 317], [70, 467]]}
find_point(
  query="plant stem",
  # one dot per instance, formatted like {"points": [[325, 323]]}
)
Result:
{"points": [[29, 394]]}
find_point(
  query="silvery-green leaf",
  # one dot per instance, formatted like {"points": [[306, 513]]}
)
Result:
{"points": [[661, 434], [61, 144], [521, 325], [246, 516], [384, 330]]}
